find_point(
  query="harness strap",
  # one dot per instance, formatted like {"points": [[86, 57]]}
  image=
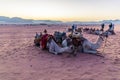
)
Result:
{"points": [[102, 38]]}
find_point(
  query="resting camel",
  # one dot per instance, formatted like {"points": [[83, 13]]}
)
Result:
{"points": [[37, 39], [89, 47], [85, 45], [54, 48]]}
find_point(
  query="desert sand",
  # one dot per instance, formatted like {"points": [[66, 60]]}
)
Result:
{"points": [[21, 60]]}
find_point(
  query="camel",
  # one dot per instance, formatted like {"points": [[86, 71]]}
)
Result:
{"points": [[54, 48], [89, 47], [37, 39], [86, 45], [110, 31], [66, 42]]}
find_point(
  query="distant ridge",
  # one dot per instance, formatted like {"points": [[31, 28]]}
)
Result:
{"points": [[18, 20]]}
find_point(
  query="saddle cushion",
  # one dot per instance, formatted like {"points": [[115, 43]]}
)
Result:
{"points": [[44, 41], [76, 35], [59, 36]]}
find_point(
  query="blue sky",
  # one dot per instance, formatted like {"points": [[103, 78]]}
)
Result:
{"points": [[64, 10]]}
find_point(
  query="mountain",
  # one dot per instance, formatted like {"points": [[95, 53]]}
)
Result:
{"points": [[17, 20], [111, 21], [14, 20], [47, 22]]}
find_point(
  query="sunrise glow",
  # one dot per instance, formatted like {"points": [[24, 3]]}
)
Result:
{"points": [[64, 10]]}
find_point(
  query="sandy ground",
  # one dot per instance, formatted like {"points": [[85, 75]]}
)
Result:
{"points": [[21, 60]]}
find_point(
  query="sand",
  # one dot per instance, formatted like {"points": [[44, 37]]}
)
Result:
{"points": [[21, 60]]}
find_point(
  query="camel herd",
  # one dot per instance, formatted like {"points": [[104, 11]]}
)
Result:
{"points": [[73, 43]]}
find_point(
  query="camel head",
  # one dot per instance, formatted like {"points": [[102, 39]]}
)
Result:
{"points": [[105, 34], [49, 38]]}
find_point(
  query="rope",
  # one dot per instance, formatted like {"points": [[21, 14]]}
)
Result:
{"points": [[104, 45]]}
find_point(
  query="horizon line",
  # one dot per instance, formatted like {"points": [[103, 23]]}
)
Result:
{"points": [[60, 20]]}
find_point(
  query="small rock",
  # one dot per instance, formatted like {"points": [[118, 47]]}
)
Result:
{"points": [[30, 65]]}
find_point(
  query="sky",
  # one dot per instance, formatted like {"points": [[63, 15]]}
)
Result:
{"points": [[64, 10]]}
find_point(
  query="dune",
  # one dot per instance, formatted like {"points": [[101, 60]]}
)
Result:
{"points": [[21, 60]]}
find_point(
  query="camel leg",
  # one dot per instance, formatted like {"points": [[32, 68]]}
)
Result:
{"points": [[74, 52], [90, 51]]}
